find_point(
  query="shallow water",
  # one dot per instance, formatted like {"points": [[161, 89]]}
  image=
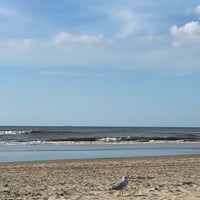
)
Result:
{"points": [[11, 153]]}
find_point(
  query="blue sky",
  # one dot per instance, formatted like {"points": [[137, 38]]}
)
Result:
{"points": [[109, 63]]}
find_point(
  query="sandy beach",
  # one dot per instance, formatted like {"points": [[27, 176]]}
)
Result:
{"points": [[175, 177]]}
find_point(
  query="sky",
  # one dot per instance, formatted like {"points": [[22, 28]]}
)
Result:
{"points": [[100, 63]]}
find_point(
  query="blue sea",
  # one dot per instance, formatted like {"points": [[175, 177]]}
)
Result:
{"points": [[28, 143]]}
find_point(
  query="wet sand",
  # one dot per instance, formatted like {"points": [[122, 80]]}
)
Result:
{"points": [[167, 177]]}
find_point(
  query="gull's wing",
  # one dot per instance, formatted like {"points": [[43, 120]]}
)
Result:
{"points": [[120, 185]]}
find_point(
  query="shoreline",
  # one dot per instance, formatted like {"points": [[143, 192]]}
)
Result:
{"points": [[101, 159], [151, 177]]}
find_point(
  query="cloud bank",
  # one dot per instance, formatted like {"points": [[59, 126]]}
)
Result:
{"points": [[68, 50], [125, 49]]}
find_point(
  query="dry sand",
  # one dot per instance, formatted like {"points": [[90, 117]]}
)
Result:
{"points": [[176, 177]]}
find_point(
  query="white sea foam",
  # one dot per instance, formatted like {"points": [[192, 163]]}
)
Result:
{"points": [[168, 141], [100, 142], [14, 132], [109, 139]]}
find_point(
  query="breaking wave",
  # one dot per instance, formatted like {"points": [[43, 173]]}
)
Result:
{"points": [[129, 138], [65, 136], [105, 141], [14, 132]]}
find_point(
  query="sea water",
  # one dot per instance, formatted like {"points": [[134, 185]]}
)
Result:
{"points": [[53, 143]]}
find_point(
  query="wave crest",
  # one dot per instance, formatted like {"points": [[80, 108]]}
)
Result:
{"points": [[109, 139], [14, 132]]}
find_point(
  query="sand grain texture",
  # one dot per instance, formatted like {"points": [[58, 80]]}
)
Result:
{"points": [[169, 178]]}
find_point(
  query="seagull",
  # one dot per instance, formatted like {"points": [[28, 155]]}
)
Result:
{"points": [[120, 185]]}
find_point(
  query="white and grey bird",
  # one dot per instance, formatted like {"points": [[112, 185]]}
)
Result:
{"points": [[120, 185]]}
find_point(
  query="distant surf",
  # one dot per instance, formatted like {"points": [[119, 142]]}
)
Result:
{"points": [[121, 135]]}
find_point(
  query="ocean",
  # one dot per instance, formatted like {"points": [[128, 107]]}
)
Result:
{"points": [[28, 143]]}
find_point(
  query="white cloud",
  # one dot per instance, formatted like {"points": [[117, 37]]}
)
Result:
{"points": [[123, 19], [21, 44], [128, 21], [63, 38], [197, 10], [63, 49], [187, 34], [133, 42], [68, 50]]}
